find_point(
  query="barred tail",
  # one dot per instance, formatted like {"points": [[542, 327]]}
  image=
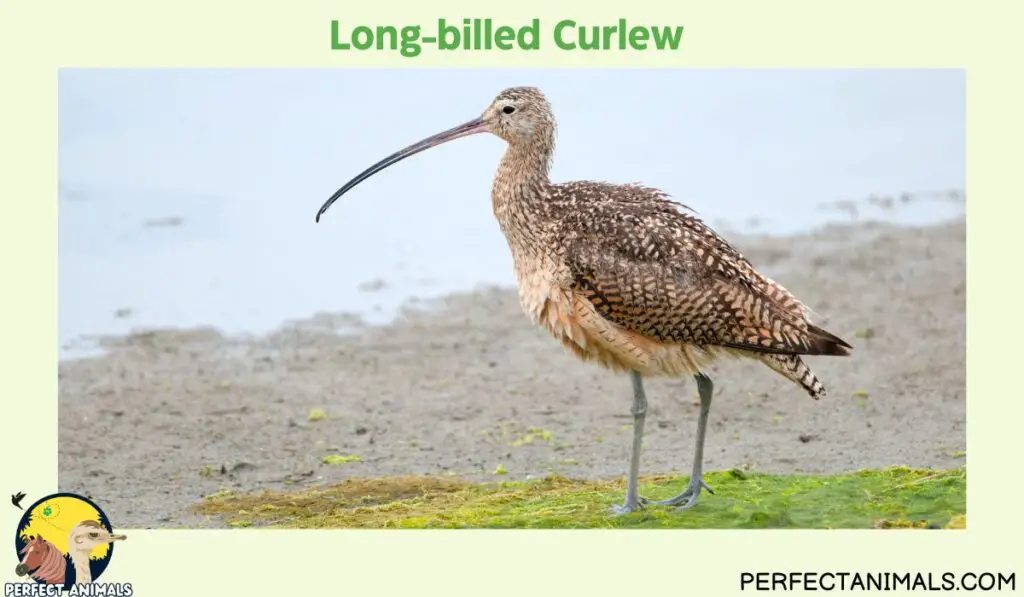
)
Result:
{"points": [[829, 344], [793, 368]]}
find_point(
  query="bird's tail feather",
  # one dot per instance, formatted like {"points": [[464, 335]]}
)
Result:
{"points": [[825, 343], [792, 367]]}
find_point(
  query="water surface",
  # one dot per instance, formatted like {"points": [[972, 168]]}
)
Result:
{"points": [[187, 197]]}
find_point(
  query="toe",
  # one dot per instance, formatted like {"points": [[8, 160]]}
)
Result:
{"points": [[619, 510], [689, 503]]}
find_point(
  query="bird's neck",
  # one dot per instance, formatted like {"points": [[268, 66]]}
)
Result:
{"points": [[521, 187], [80, 560]]}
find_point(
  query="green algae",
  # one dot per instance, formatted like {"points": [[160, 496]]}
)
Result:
{"points": [[894, 498], [338, 459]]}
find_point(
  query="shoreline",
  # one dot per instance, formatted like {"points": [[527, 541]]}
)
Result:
{"points": [[890, 211], [460, 384]]}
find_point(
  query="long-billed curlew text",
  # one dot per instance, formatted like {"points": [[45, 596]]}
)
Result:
{"points": [[486, 35]]}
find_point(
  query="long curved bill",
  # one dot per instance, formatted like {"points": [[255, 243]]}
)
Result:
{"points": [[477, 125]]}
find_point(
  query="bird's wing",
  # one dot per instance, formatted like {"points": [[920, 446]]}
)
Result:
{"points": [[665, 274]]}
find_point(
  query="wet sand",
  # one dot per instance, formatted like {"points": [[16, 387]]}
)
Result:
{"points": [[461, 385]]}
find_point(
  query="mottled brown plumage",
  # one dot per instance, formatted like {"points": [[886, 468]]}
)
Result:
{"points": [[626, 278], [667, 284]]}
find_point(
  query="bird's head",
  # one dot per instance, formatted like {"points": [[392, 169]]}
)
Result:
{"points": [[88, 534], [520, 115]]}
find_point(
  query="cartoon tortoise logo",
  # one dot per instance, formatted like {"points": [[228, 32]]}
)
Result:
{"points": [[64, 539]]}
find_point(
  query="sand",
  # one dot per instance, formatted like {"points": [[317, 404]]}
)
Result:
{"points": [[464, 384]]}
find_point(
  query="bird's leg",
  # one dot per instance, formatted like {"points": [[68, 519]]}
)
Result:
{"points": [[688, 497], [639, 411]]}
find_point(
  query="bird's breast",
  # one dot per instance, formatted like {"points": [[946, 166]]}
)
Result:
{"points": [[535, 280]]}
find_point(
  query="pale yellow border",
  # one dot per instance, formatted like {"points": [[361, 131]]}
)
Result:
{"points": [[37, 37]]}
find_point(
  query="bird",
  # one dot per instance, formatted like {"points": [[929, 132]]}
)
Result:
{"points": [[83, 538], [16, 499], [628, 279]]}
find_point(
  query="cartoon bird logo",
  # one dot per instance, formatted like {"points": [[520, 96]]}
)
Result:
{"points": [[64, 539], [16, 499]]}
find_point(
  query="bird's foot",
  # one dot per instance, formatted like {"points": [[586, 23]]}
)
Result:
{"points": [[686, 499], [628, 507]]}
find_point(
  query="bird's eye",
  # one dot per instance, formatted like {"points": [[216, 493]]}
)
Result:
{"points": [[94, 535], [508, 109]]}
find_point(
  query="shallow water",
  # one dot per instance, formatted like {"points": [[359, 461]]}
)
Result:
{"points": [[187, 197]]}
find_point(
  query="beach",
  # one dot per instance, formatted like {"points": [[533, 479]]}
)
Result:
{"points": [[464, 386]]}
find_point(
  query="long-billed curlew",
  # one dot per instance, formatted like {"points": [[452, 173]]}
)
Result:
{"points": [[625, 278]]}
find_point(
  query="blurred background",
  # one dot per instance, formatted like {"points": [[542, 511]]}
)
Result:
{"points": [[187, 197]]}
